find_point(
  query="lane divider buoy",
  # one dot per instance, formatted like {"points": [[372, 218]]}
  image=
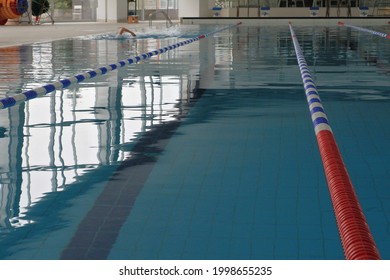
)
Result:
{"points": [[356, 237], [64, 83], [381, 34]]}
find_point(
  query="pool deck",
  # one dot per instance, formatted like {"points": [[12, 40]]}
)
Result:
{"points": [[15, 35]]}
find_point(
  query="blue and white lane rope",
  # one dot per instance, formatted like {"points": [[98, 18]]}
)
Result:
{"points": [[318, 116], [64, 83], [381, 34]]}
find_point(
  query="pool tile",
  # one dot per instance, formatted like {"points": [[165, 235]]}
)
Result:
{"points": [[240, 249], [172, 247], [219, 248], [287, 248], [195, 248], [263, 249], [311, 249]]}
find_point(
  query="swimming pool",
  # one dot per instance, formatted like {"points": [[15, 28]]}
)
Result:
{"points": [[204, 152]]}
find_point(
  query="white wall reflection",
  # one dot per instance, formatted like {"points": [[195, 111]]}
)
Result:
{"points": [[49, 143]]}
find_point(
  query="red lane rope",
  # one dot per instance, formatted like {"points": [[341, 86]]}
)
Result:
{"points": [[355, 234], [356, 237]]}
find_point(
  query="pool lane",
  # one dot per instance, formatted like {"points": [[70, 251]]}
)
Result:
{"points": [[97, 232], [225, 186]]}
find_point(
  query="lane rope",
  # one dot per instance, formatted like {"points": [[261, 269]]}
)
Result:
{"points": [[381, 34], [64, 83], [355, 234]]}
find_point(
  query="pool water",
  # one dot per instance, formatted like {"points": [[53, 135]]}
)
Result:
{"points": [[204, 152]]}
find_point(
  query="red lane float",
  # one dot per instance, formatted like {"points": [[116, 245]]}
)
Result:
{"points": [[356, 238], [355, 234]]}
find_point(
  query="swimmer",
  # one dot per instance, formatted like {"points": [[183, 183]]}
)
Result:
{"points": [[125, 30]]}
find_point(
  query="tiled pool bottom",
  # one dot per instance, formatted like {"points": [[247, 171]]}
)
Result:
{"points": [[223, 187], [243, 180], [228, 187], [236, 179]]}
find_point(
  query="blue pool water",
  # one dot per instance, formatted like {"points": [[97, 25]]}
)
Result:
{"points": [[204, 152]]}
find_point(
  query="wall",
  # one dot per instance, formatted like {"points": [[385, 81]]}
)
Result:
{"points": [[190, 8], [122, 11], [116, 10], [111, 11], [195, 8], [205, 8]]}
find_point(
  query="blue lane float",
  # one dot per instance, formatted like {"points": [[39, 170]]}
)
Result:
{"points": [[355, 235], [64, 83], [377, 33]]}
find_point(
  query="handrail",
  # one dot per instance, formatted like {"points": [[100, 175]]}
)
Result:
{"points": [[167, 18]]}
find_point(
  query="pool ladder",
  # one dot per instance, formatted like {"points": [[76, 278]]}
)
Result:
{"points": [[168, 20]]}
